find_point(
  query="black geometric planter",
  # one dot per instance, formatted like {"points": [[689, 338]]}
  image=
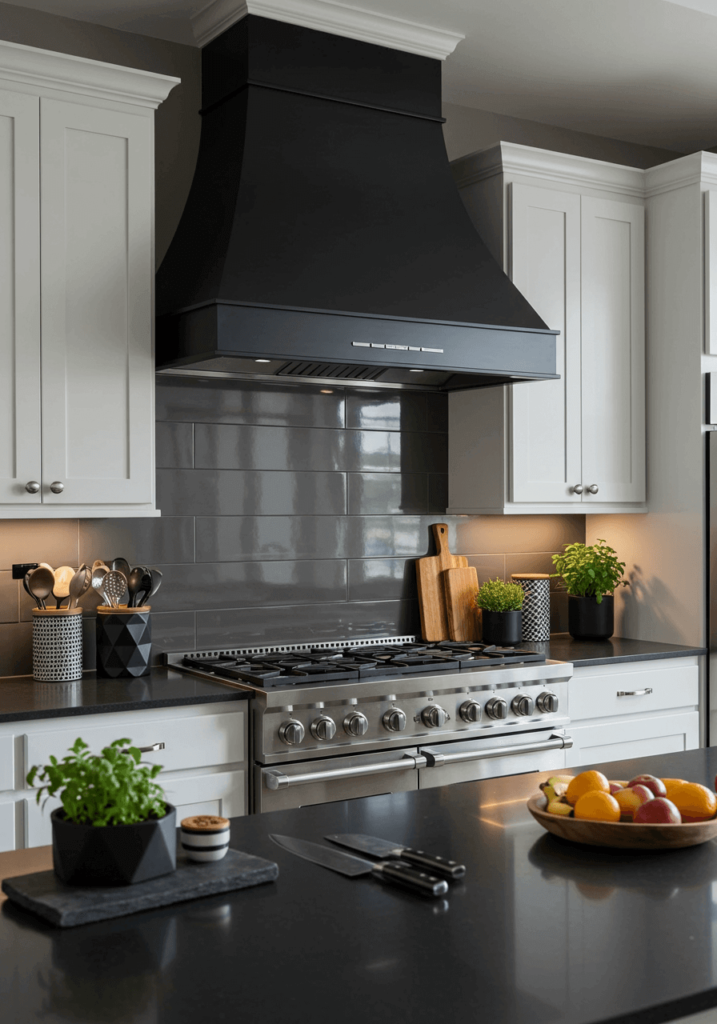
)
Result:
{"points": [[113, 854], [124, 641], [502, 628], [588, 620]]}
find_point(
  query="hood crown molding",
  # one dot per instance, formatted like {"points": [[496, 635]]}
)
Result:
{"points": [[329, 16]]}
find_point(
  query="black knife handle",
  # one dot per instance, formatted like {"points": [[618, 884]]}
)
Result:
{"points": [[440, 866], [396, 873]]}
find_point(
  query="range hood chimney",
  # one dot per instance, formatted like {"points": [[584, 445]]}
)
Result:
{"points": [[324, 238]]}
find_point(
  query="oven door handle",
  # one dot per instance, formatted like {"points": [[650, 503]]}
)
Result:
{"points": [[436, 758], [276, 779]]}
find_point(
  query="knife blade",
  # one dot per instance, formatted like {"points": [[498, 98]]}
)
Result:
{"points": [[386, 850], [392, 873]]}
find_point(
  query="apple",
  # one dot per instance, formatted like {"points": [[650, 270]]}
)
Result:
{"points": [[615, 787], [656, 785], [632, 798], [659, 811]]}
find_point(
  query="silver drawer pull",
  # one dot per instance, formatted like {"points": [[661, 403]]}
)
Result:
{"points": [[634, 693], [147, 750], [276, 779], [436, 758]]}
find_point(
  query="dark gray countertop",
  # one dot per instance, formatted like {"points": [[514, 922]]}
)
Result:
{"points": [[582, 653], [22, 699], [540, 931]]}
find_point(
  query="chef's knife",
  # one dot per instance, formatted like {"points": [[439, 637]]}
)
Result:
{"points": [[382, 848], [395, 873]]}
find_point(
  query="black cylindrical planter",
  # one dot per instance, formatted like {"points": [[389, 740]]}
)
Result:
{"points": [[503, 628], [113, 854], [588, 620], [124, 641]]}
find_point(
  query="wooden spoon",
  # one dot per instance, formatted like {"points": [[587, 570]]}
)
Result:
{"points": [[40, 584], [61, 589]]}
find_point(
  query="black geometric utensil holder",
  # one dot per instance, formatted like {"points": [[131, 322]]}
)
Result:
{"points": [[56, 645], [124, 641], [536, 604]]}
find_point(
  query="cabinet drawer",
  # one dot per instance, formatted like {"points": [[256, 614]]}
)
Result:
{"points": [[595, 694], [190, 742], [639, 737], [7, 826], [7, 763]]}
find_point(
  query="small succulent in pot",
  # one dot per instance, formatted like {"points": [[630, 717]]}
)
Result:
{"points": [[501, 605], [590, 574], [115, 826]]}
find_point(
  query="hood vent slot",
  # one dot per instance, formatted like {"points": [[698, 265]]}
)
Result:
{"points": [[334, 370]]}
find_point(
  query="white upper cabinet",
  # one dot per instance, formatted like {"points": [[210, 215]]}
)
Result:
{"points": [[570, 233], [76, 285]]}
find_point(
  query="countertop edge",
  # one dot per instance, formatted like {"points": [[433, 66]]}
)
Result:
{"points": [[103, 709], [617, 659]]}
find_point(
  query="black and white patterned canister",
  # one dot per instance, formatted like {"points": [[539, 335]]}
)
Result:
{"points": [[536, 605], [56, 645], [205, 837]]}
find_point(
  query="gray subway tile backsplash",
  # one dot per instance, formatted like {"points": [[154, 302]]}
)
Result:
{"points": [[287, 515]]}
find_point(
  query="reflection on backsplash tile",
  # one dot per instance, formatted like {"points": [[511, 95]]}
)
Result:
{"points": [[288, 515]]}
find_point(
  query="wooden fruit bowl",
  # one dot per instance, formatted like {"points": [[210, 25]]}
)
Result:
{"points": [[622, 835]]}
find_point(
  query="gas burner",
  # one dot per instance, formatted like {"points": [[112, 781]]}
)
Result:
{"points": [[207, 664]]}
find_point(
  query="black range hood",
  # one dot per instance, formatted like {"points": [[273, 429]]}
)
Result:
{"points": [[324, 238]]}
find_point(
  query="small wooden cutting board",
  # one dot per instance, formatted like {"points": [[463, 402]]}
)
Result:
{"points": [[431, 589], [461, 589]]}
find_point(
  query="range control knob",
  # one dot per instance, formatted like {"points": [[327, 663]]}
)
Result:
{"points": [[547, 702], [323, 728], [434, 716], [356, 724], [291, 732], [496, 708], [470, 711], [394, 720], [522, 704]]}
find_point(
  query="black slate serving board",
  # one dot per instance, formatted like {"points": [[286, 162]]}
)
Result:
{"points": [[66, 906]]}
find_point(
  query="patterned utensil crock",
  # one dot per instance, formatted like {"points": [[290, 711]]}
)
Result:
{"points": [[536, 605], [56, 645], [124, 641]]}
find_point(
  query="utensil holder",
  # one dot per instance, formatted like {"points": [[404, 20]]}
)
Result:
{"points": [[536, 604], [124, 641], [56, 645]]}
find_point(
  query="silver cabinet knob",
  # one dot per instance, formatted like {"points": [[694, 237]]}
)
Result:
{"points": [[577, 489], [394, 720], [593, 489], [496, 708], [547, 702], [522, 704], [291, 732], [32, 487], [434, 716], [323, 728], [470, 711], [356, 724], [57, 487]]}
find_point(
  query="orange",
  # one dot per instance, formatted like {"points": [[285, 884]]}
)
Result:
{"points": [[670, 784], [597, 806], [583, 783], [693, 801]]}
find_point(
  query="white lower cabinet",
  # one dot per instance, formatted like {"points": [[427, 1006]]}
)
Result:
{"points": [[204, 761], [633, 710]]}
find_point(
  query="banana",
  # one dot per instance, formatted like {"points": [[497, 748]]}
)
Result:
{"points": [[559, 807], [553, 789]]}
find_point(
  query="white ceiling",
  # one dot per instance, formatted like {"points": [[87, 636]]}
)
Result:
{"points": [[638, 70]]}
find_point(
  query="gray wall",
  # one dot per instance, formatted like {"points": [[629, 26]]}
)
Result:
{"points": [[287, 514]]}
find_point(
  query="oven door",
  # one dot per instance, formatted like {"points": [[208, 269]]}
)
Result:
{"points": [[335, 778], [486, 758]]}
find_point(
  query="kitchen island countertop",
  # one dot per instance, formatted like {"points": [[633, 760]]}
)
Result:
{"points": [[541, 931]]}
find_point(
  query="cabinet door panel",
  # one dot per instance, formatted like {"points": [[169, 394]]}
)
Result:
{"points": [[545, 266], [97, 381], [613, 350], [19, 297], [637, 737]]}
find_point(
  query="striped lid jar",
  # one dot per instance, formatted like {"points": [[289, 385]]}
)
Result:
{"points": [[205, 837]]}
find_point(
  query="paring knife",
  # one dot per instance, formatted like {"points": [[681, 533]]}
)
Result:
{"points": [[393, 873], [382, 848]]}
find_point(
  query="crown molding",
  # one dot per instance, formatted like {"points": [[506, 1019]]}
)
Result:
{"points": [[62, 72], [329, 16], [694, 169]]}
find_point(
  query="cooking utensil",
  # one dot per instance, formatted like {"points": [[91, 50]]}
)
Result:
{"points": [[79, 584], [114, 585], [25, 581], [156, 583], [121, 565], [393, 873], [149, 585], [134, 583], [463, 616], [98, 575], [61, 589], [386, 850], [98, 563], [40, 583], [431, 591]]}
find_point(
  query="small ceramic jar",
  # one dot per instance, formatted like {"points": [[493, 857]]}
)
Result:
{"points": [[205, 837]]}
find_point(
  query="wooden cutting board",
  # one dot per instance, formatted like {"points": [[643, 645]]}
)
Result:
{"points": [[461, 588], [431, 589]]}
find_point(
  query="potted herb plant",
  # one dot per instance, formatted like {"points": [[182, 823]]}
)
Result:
{"points": [[501, 605], [590, 575], [115, 826]]}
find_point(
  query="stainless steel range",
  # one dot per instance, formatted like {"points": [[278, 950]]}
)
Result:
{"points": [[339, 720]]}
